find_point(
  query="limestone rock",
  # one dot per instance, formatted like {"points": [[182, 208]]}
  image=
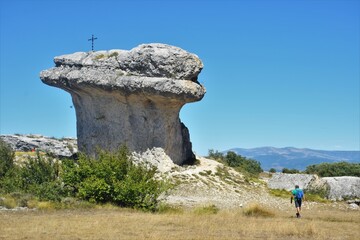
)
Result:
{"points": [[354, 206], [343, 187], [156, 157], [65, 147], [131, 97], [288, 181]]}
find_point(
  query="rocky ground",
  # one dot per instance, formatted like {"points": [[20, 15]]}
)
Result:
{"points": [[210, 182]]}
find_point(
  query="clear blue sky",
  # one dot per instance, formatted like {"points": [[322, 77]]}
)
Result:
{"points": [[277, 73]]}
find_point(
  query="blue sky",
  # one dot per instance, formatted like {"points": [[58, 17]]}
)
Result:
{"points": [[277, 73]]}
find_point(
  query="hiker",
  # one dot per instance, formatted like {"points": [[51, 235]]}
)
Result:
{"points": [[298, 195]]}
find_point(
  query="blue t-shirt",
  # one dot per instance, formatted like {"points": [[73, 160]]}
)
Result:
{"points": [[298, 193]]}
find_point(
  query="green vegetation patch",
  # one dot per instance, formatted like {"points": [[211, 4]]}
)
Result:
{"points": [[164, 208], [334, 169], [110, 178], [280, 193], [104, 56], [100, 56], [208, 209], [114, 54], [238, 162], [314, 196]]}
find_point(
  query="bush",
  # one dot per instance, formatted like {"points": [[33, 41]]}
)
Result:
{"points": [[39, 170], [8, 202], [215, 155], [291, 171], [113, 177], [12, 181], [6, 158], [272, 170]]}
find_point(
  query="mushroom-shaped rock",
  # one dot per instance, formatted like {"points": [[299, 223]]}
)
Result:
{"points": [[130, 97]]}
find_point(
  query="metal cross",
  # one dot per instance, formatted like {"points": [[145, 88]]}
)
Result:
{"points": [[92, 41]]}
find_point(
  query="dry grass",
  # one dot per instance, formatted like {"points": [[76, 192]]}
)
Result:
{"points": [[256, 210], [113, 223]]}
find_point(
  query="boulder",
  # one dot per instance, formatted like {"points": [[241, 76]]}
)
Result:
{"points": [[131, 97], [341, 188], [288, 181]]}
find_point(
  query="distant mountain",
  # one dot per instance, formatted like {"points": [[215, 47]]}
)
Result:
{"points": [[289, 157]]}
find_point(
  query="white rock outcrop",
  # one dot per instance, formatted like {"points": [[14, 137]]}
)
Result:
{"points": [[288, 181], [131, 97], [65, 147], [341, 188]]}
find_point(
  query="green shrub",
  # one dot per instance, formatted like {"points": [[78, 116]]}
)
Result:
{"points": [[95, 189], [12, 181], [272, 170], [114, 54], [291, 171], [216, 155], [110, 178], [8, 202], [51, 191], [113, 177], [41, 177], [6, 158], [100, 56]]}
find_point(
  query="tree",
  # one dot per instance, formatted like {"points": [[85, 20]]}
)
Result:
{"points": [[242, 163], [232, 159], [215, 155], [334, 169], [272, 170]]}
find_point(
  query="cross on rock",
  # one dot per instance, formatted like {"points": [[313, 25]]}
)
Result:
{"points": [[92, 39]]}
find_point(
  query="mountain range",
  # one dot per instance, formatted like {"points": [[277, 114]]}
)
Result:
{"points": [[297, 158]]}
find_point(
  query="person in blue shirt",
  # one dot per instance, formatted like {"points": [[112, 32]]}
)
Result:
{"points": [[298, 195]]}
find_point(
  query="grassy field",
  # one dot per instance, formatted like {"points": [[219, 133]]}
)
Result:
{"points": [[113, 223]]}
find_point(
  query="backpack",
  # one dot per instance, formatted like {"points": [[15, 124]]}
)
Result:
{"points": [[299, 194]]}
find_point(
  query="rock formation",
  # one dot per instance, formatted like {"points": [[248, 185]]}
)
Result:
{"points": [[131, 97], [341, 188], [65, 147], [288, 181]]}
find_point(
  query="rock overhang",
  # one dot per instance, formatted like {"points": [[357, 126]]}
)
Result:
{"points": [[149, 69]]}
